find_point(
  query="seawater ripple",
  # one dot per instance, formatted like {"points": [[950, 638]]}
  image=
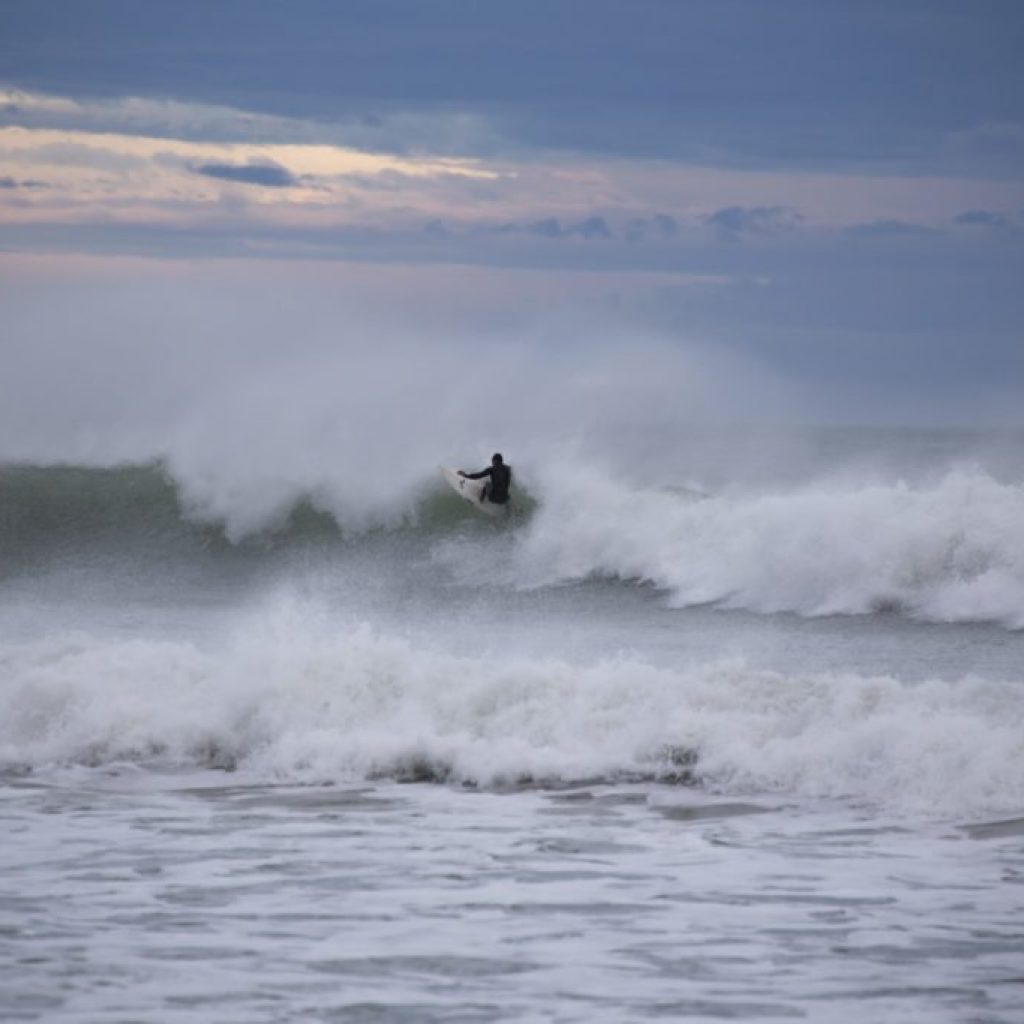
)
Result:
{"points": [[177, 896]]}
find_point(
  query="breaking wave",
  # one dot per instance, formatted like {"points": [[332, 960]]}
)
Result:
{"points": [[950, 549], [292, 697], [947, 551]]}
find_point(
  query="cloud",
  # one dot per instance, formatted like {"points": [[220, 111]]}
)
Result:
{"points": [[267, 175], [550, 227], [988, 221], [436, 229], [10, 183], [661, 226], [888, 229], [897, 85], [986, 218], [732, 222], [591, 229], [400, 132], [316, 185]]}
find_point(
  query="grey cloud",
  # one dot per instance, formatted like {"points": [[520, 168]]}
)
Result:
{"points": [[405, 129], [266, 175], [550, 227], [984, 218], [7, 182], [592, 229], [732, 222], [825, 280], [76, 154], [915, 83], [996, 224], [888, 229], [660, 226]]}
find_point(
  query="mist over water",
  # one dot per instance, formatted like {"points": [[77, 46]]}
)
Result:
{"points": [[350, 407]]}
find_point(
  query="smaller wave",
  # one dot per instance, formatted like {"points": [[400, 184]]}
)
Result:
{"points": [[296, 699]]}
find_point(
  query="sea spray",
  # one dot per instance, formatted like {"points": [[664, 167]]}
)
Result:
{"points": [[952, 550]]}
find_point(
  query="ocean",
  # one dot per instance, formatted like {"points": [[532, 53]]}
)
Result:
{"points": [[719, 725]]}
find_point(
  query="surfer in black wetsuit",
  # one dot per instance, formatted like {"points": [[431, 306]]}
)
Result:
{"points": [[496, 489]]}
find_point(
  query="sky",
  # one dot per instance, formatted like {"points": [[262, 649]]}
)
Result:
{"points": [[830, 192]]}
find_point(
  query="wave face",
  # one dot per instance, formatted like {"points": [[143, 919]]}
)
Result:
{"points": [[949, 549], [293, 697]]}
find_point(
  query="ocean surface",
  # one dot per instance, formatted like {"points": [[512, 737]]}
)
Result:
{"points": [[727, 726]]}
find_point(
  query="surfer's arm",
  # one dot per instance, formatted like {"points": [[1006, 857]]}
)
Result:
{"points": [[476, 476]]}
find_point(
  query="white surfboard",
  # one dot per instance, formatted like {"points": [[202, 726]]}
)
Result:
{"points": [[471, 491]]}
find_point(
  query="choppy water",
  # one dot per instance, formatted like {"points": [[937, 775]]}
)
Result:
{"points": [[684, 749], [131, 895]]}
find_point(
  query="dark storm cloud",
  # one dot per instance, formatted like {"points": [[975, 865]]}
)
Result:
{"points": [[725, 81], [268, 175]]}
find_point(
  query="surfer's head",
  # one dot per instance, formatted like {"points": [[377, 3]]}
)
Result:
{"points": [[496, 459]]}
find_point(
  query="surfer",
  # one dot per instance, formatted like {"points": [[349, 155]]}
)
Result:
{"points": [[496, 489]]}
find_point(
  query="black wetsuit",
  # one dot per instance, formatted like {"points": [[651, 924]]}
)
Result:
{"points": [[496, 491]]}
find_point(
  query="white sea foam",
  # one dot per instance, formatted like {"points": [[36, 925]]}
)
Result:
{"points": [[293, 698], [950, 550]]}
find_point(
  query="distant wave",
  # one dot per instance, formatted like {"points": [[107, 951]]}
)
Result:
{"points": [[296, 698]]}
